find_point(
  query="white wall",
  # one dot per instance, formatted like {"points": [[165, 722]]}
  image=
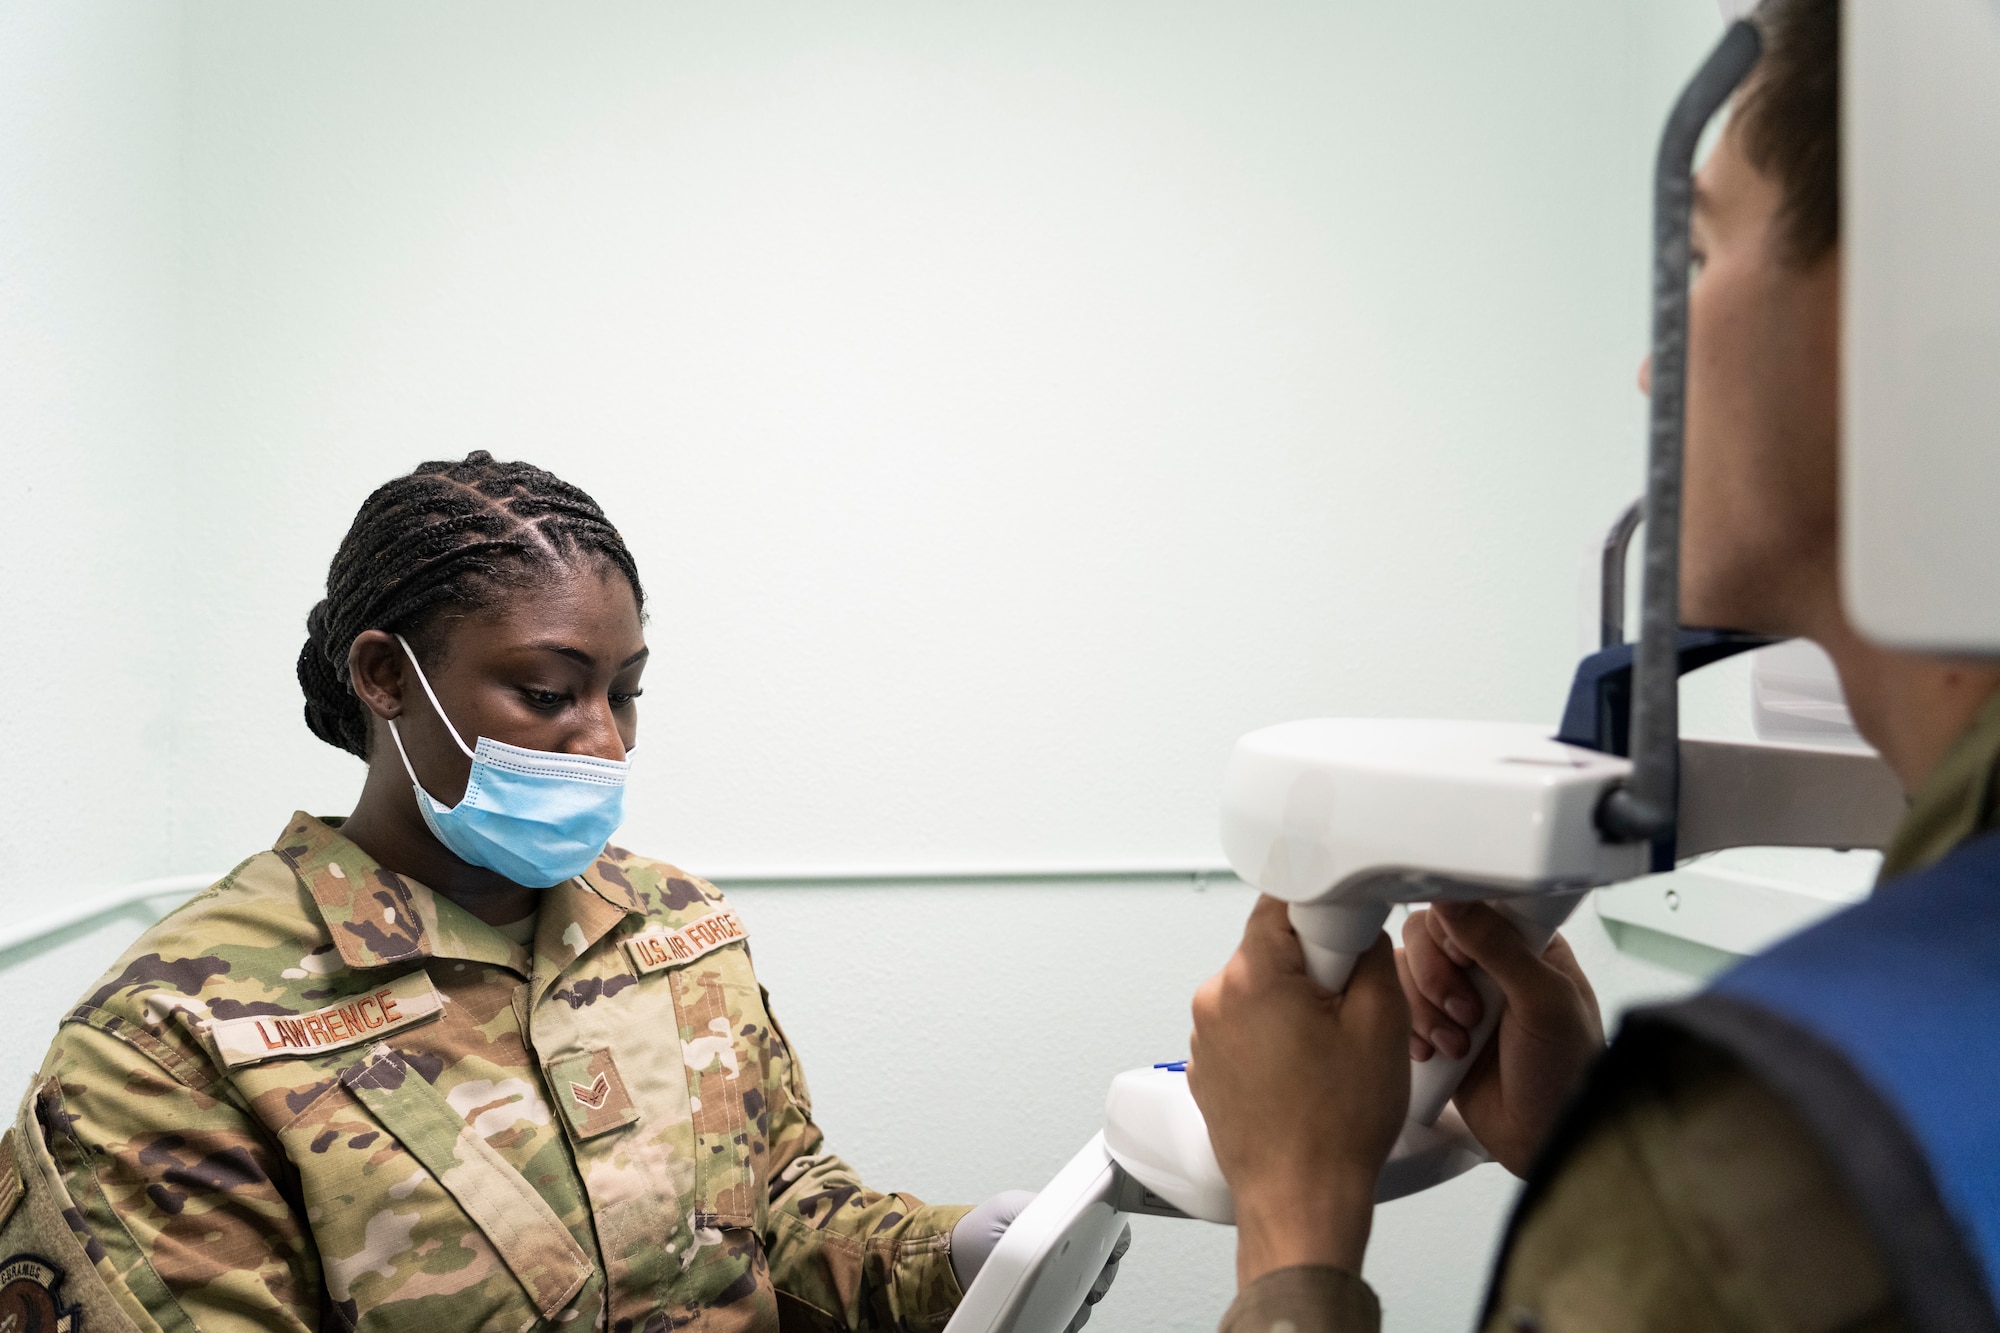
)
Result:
{"points": [[90, 200], [1009, 405]]}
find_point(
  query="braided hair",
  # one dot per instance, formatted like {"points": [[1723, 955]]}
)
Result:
{"points": [[447, 537]]}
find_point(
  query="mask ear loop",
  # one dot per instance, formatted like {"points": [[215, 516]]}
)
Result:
{"points": [[396, 734], [424, 680]]}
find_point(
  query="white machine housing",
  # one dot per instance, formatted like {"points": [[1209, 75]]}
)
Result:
{"points": [[1346, 817], [1044, 1263], [1352, 810], [1154, 1130], [1920, 320]]}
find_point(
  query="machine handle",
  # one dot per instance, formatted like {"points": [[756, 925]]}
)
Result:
{"points": [[1333, 935], [1037, 1276]]}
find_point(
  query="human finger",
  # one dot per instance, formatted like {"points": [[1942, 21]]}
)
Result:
{"points": [[1441, 980], [1374, 993], [1563, 959], [1496, 946], [1435, 924], [1109, 1273], [1269, 945], [1375, 1018], [1207, 1003], [1420, 1048], [1430, 1029]]}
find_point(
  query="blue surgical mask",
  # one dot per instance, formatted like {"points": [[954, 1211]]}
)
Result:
{"points": [[532, 816]]}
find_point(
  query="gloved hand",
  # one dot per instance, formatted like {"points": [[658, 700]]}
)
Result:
{"points": [[973, 1239]]}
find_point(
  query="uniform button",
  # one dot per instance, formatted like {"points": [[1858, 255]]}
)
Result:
{"points": [[1523, 1320]]}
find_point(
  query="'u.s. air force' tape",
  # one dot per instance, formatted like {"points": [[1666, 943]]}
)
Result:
{"points": [[407, 1000], [657, 949]]}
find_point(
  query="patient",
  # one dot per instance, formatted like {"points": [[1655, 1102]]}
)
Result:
{"points": [[1681, 1190]]}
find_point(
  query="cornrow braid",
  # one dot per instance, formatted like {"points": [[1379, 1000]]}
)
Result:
{"points": [[449, 536]]}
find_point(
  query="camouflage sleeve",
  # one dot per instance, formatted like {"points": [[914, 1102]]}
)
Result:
{"points": [[176, 1185], [843, 1256]]}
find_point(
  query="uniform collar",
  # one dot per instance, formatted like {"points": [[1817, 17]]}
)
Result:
{"points": [[379, 918], [1960, 798], [606, 878], [576, 914]]}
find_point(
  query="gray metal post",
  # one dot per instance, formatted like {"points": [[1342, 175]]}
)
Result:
{"points": [[1644, 809]]}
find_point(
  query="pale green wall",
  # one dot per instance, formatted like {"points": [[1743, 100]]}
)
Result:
{"points": [[1010, 404], [90, 211]]}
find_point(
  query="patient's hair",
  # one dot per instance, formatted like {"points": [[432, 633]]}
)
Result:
{"points": [[449, 537], [1789, 116]]}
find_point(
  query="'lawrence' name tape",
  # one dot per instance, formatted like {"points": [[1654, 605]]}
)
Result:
{"points": [[657, 949], [406, 1001]]}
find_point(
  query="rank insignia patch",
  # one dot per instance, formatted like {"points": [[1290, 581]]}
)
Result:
{"points": [[598, 1102], [28, 1300], [594, 1095]]}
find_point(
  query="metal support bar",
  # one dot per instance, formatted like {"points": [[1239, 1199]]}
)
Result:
{"points": [[1611, 576], [1643, 810], [1764, 795]]}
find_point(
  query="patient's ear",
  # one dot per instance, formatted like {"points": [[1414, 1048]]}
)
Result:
{"points": [[375, 666]]}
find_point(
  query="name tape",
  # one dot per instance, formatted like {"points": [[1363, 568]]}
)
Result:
{"points": [[657, 949], [403, 1002]]}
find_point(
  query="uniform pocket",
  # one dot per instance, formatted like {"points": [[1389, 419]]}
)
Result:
{"points": [[530, 1238], [416, 1219], [725, 1035]]}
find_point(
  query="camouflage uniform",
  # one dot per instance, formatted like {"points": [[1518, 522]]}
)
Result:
{"points": [[1694, 1199], [320, 1095]]}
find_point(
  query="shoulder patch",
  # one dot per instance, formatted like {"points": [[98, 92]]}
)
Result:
{"points": [[408, 1000], [12, 1187], [28, 1300], [657, 949]]}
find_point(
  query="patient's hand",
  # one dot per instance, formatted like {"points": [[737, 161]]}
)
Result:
{"points": [[1548, 1035], [1304, 1091]]}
